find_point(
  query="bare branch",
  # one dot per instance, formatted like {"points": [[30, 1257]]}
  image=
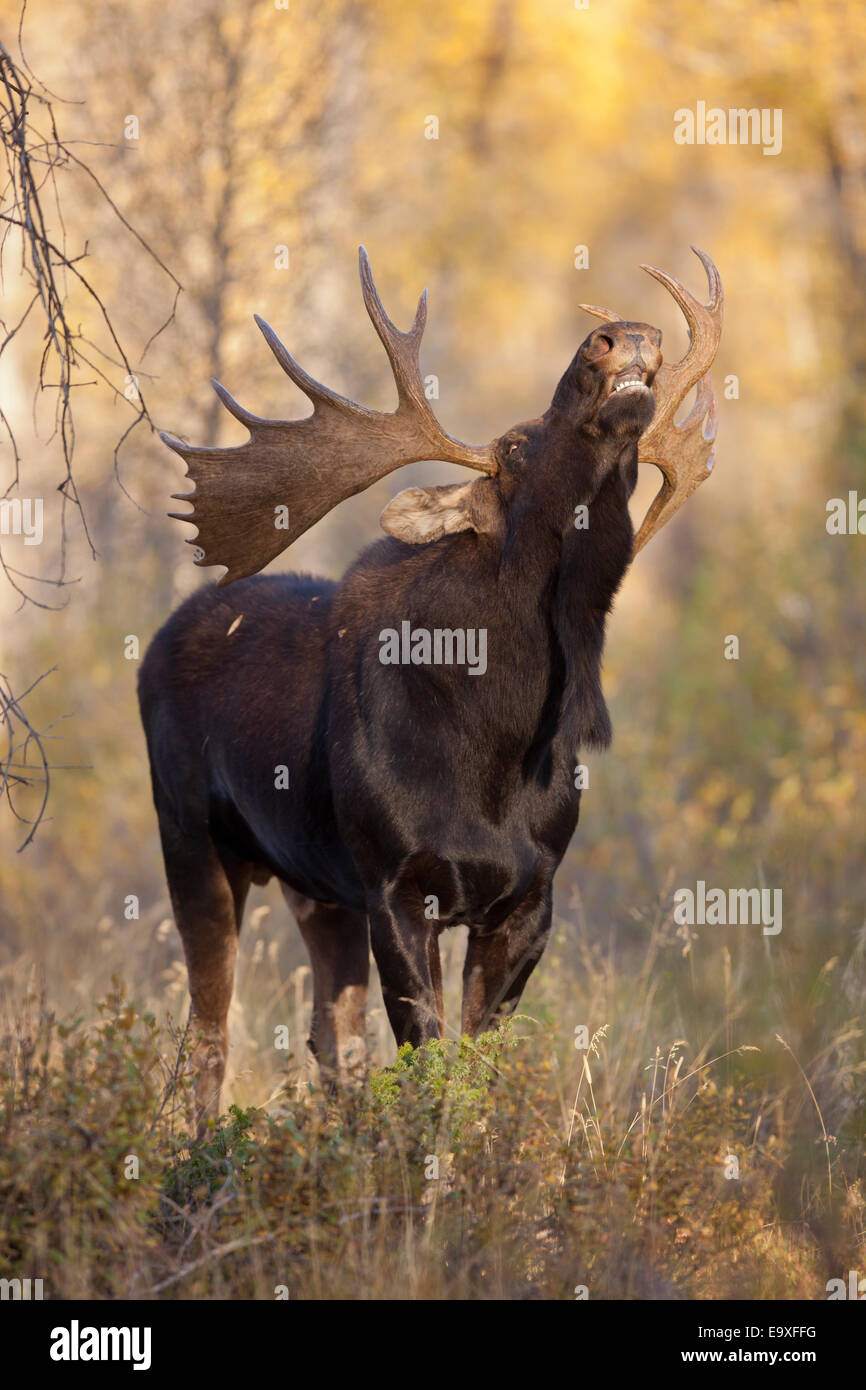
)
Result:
{"points": [[31, 205], [24, 761]]}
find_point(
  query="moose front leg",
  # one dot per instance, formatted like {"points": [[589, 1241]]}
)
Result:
{"points": [[406, 951], [500, 961]]}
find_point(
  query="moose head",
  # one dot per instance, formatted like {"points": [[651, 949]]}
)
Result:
{"points": [[616, 385]]}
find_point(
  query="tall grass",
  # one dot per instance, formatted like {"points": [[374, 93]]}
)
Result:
{"points": [[516, 1166]]}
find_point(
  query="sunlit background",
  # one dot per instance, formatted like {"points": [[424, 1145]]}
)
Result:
{"points": [[307, 129]]}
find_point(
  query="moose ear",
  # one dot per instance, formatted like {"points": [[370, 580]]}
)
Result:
{"points": [[423, 514]]}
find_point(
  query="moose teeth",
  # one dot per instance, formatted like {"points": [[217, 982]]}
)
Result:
{"points": [[627, 385]]}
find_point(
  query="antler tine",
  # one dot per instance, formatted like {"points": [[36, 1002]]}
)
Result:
{"points": [[402, 348], [317, 393], [705, 326], [607, 314], [403, 351], [674, 380], [687, 462]]}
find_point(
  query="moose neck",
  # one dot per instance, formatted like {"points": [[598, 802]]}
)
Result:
{"points": [[569, 563], [570, 522]]}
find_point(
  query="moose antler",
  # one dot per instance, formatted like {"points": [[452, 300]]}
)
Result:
{"points": [[312, 464], [684, 453]]}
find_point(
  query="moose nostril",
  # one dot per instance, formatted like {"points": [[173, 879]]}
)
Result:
{"points": [[600, 346]]}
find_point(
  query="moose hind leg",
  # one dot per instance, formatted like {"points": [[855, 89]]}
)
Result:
{"points": [[337, 941], [207, 896]]}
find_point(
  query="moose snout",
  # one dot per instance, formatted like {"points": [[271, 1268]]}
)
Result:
{"points": [[636, 349], [619, 347], [634, 357]]}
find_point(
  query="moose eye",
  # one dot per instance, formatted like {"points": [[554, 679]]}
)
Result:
{"points": [[599, 347]]}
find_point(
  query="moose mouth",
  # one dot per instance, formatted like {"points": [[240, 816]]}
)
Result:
{"points": [[630, 379]]}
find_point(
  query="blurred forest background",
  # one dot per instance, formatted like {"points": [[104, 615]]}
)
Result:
{"points": [[306, 128]]}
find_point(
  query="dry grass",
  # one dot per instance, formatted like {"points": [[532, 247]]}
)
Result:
{"points": [[559, 1170]]}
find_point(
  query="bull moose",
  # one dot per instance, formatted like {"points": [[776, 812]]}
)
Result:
{"points": [[395, 798]]}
